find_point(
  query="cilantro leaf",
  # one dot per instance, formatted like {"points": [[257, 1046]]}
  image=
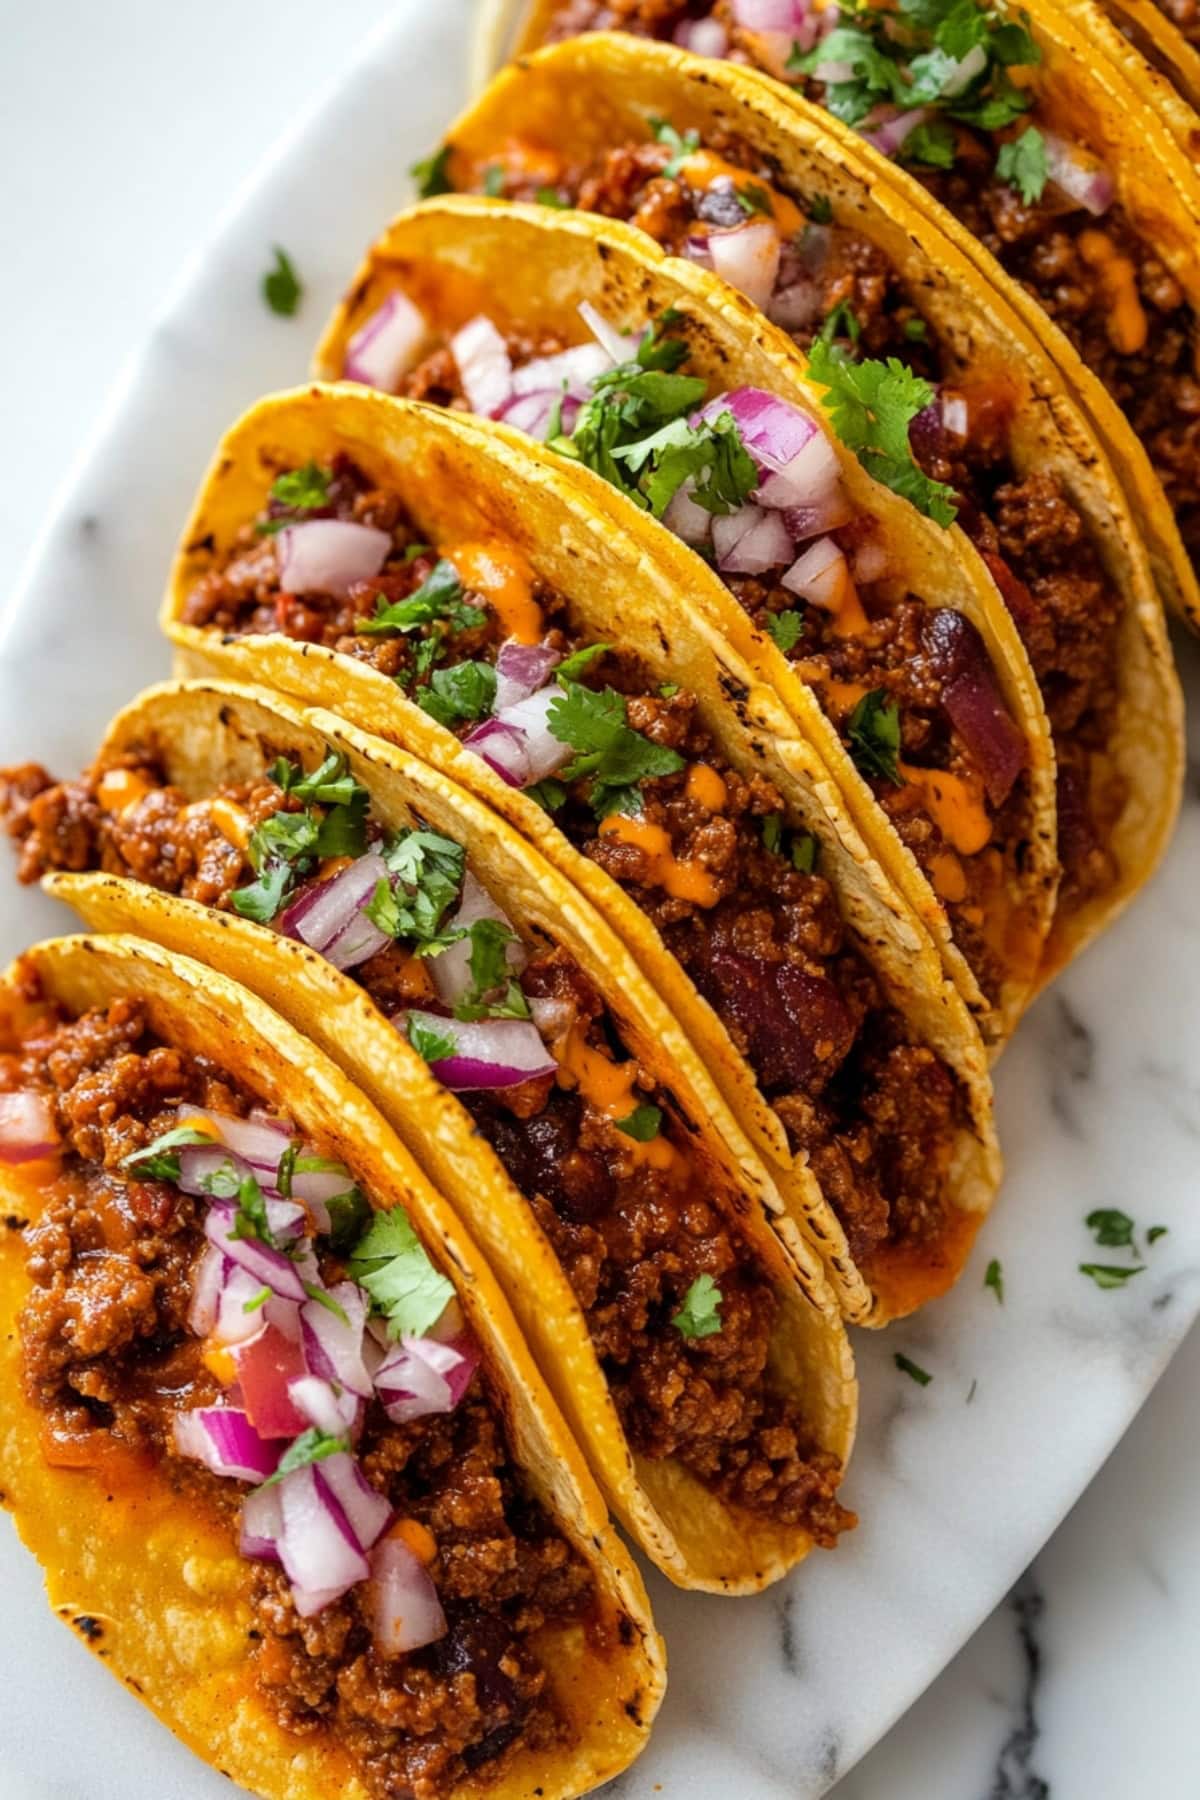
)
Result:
{"points": [[804, 853], [994, 1279], [250, 1220], [159, 1161], [874, 732], [699, 1315], [872, 404], [282, 288], [312, 1446], [610, 752], [787, 628], [426, 873], [643, 1123], [931, 143], [1022, 163], [908, 1367], [491, 975], [571, 667], [548, 196], [681, 146], [1155, 1232], [304, 490], [754, 199], [1111, 1275], [1112, 1229], [438, 597], [430, 174], [548, 794], [390, 1262], [493, 180], [465, 690], [428, 1042], [772, 832]]}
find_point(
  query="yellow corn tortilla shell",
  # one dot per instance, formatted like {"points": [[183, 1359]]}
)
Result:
{"points": [[460, 479], [1154, 56], [169, 1591], [206, 734], [529, 267], [588, 94], [1086, 97]]}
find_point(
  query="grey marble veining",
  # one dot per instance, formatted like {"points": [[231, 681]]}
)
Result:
{"points": [[959, 1482]]}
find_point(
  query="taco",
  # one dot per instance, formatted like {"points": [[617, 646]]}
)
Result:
{"points": [[1156, 43], [718, 166], [646, 762], [517, 1050], [268, 1423], [1044, 158], [840, 595]]}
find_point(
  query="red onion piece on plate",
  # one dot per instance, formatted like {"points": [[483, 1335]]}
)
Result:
{"points": [[521, 669], [1078, 174], [489, 1053], [747, 258], [405, 1610], [27, 1128], [972, 700], [327, 556], [387, 344], [224, 1440], [484, 365], [750, 541]]}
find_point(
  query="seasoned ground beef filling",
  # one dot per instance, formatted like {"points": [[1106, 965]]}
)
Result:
{"points": [[109, 1361], [632, 1237], [1062, 602]]}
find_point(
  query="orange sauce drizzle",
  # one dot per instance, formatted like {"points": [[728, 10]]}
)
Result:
{"points": [[955, 803], [501, 574], [706, 788], [703, 167], [1127, 327], [682, 879], [119, 789], [610, 1087]]}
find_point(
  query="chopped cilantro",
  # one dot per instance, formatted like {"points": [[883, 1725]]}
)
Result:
{"points": [[804, 853], [699, 1315], [548, 196], [329, 784], [321, 1298], [907, 1366], [787, 628], [820, 209], [994, 1279], [571, 667], [772, 832], [390, 1261], [753, 199], [281, 286], [348, 1215], [491, 975], [312, 1446], [668, 689], [1112, 1229], [643, 1123], [159, 1161], [874, 732], [1111, 1275], [493, 180], [287, 845], [840, 321], [614, 756], [1155, 1232], [681, 147], [259, 1301], [304, 490], [548, 794], [431, 174], [872, 404], [1022, 163], [916, 329], [426, 872], [438, 597], [931, 144], [435, 1046], [250, 1220], [466, 690]]}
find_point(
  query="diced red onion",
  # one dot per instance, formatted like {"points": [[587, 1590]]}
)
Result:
{"points": [[812, 478], [687, 519], [747, 258], [224, 1440], [317, 1545], [489, 1053], [270, 1267], [206, 1291], [405, 1610], [259, 1142], [969, 66], [773, 431], [502, 748], [262, 1522], [535, 413], [553, 1018], [239, 1290], [871, 560], [703, 37], [387, 344], [750, 541], [956, 416], [484, 365], [887, 127], [1078, 174], [818, 517], [521, 669], [571, 372], [422, 1376], [451, 968], [266, 1367], [367, 1511], [329, 916], [771, 15], [199, 1163], [327, 556], [972, 700], [696, 250], [619, 347], [518, 743], [819, 574], [27, 1128], [333, 1349], [795, 307], [319, 1404]]}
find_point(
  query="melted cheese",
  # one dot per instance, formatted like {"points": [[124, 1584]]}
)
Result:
{"points": [[416, 1537], [501, 574], [682, 879], [703, 167], [218, 1359], [849, 619], [706, 788], [956, 805], [946, 874], [610, 1087], [1127, 327]]}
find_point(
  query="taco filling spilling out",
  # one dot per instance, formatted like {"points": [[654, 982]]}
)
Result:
{"points": [[680, 1313], [752, 483], [632, 776], [943, 89], [215, 1307], [844, 304]]}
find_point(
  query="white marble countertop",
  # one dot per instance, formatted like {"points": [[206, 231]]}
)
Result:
{"points": [[125, 130]]}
